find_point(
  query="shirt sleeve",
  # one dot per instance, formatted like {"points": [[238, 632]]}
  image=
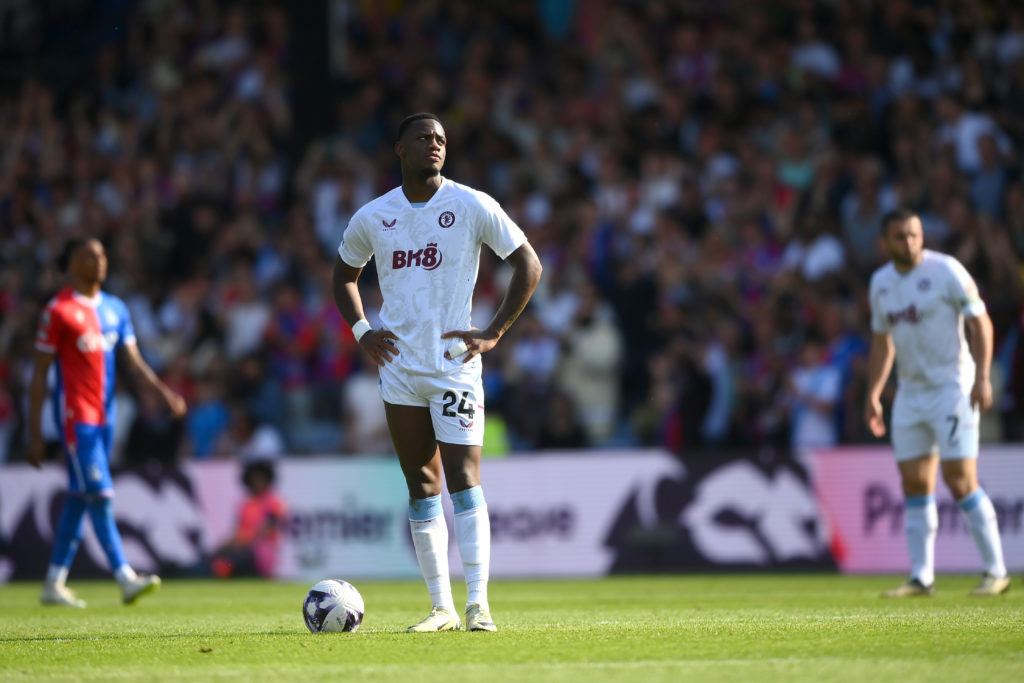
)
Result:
{"points": [[498, 231], [355, 249], [127, 331], [879, 321], [48, 331], [962, 292]]}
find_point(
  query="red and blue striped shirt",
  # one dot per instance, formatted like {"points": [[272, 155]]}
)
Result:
{"points": [[84, 334]]}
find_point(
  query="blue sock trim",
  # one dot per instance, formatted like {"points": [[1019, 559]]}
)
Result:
{"points": [[972, 500], [471, 498], [422, 509], [920, 501]]}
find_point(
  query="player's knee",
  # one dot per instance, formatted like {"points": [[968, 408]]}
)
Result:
{"points": [[423, 483], [463, 478], [960, 486], [916, 486], [420, 489]]}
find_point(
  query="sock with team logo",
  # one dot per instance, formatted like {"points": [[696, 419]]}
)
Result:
{"points": [[67, 539], [101, 512], [921, 521], [430, 539], [473, 536], [981, 519]]}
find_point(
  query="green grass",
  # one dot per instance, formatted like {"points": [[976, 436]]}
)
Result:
{"points": [[763, 628]]}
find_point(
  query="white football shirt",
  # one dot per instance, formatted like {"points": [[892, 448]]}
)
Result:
{"points": [[924, 310], [427, 259]]}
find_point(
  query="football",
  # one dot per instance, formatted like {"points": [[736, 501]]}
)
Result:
{"points": [[333, 606]]}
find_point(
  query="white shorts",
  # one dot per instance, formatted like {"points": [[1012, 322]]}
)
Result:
{"points": [[456, 401], [925, 422]]}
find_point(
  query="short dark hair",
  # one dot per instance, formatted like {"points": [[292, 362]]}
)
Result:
{"points": [[258, 468], [70, 247], [412, 118], [896, 216]]}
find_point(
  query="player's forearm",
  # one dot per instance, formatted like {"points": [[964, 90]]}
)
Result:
{"points": [[150, 377], [879, 365], [36, 396], [346, 293], [981, 345], [140, 369], [525, 278]]}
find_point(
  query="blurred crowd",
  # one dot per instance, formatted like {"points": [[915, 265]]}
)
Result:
{"points": [[703, 182]]}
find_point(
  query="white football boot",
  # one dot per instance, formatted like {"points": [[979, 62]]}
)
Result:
{"points": [[478, 619], [60, 595], [911, 588], [135, 588], [439, 619], [991, 585]]}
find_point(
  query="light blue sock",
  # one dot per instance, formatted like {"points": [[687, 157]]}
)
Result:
{"points": [[101, 512], [422, 509], [981, 519], [430, 539], [69, 532], [473, 536], [466, 500], [921, 523]]}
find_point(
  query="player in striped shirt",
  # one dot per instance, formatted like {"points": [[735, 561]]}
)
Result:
{"points": [[84, 329]]}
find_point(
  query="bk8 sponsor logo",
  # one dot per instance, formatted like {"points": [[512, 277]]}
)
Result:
{"points": [[94, 341], [910, 314], [428, 258]]}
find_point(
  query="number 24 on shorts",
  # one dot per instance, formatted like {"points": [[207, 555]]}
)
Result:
{"points": [[465, 406]]}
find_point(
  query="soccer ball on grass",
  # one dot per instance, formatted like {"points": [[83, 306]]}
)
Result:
{"points": [[333, 606]]}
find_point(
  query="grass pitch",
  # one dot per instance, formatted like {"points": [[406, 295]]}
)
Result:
{"points": [[706, 628]]}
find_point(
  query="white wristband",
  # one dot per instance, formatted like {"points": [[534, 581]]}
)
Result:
{"points": [[360, 328], [457, 349]]}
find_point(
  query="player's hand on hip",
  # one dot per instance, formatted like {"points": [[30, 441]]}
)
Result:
{"points": [[873, 416], [380, 345], [981, 394], [36, 452], [473, 343]]}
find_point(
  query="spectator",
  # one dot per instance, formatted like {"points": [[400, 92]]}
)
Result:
{"points": [[988, 186], [589, 367], [816, 252], [249, 440], [561, 428], [207, 418], [246, 315], [365, 426], [530, 371], [815, 388], [861, 212], [252, 548], [661, 156], [961, 130], [155, 435]]}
